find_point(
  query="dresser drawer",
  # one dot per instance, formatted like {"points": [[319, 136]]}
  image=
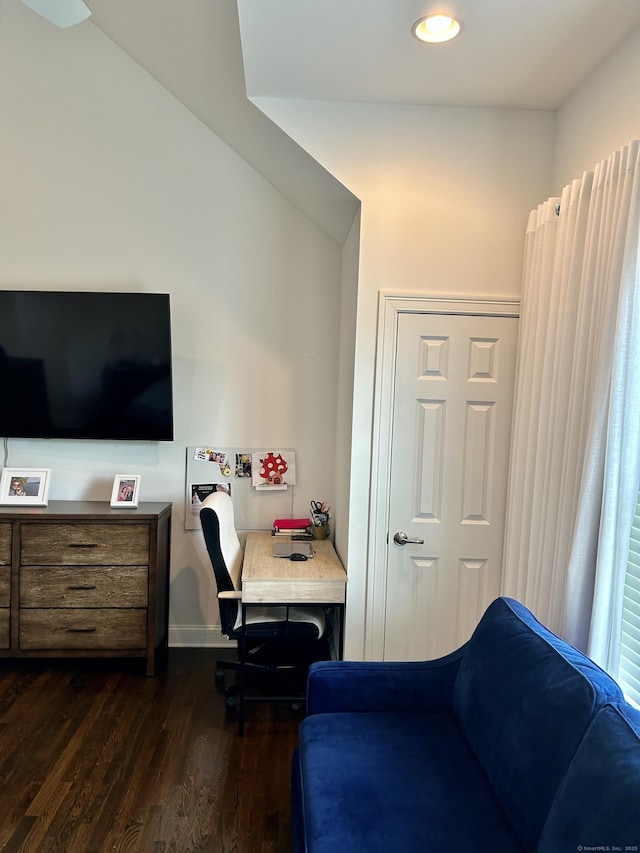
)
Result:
{"points": [[83, 629], [5, 621], [5, 544], [5, 586], [83, 586], [84, 544]]}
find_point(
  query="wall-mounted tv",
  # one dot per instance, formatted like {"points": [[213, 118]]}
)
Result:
{"points": [[85, 365]]}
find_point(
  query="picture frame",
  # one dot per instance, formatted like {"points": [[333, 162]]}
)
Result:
{"points": [[126, 488], [25, 486]]}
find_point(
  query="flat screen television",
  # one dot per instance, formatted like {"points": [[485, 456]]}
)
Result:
{"points": [[85, 365]]}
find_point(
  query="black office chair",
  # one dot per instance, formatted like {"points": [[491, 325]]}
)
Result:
{"points": [[277, 641]]}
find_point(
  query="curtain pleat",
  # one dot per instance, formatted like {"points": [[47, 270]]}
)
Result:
{"points": [[622, 459]]}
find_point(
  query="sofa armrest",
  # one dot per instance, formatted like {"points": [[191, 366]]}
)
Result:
{"points": [[350, 686]]}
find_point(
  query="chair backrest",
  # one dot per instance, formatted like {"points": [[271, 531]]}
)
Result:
{"points": [[225, 552]]}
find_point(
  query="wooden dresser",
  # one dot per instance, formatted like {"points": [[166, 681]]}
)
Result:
{"points": [[79, 579]]}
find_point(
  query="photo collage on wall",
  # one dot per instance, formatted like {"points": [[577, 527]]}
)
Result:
{"points": [[211, 469]]}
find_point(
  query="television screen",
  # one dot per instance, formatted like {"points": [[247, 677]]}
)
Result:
{"points": [[85, 365]]}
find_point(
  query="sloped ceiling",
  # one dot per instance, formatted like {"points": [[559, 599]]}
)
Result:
{"points": [[192, 47]]}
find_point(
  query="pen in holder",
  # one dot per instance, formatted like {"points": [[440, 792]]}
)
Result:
{"points": [[320, 515]]}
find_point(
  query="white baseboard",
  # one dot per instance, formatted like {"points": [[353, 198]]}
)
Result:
{"points": [[197, 637]]}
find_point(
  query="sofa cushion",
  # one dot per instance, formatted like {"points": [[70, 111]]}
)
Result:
{"points": [[598, 804], [524, 699], [376, 782]]}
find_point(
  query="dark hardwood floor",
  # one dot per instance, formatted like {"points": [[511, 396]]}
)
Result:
{"points": [[96, 757]]}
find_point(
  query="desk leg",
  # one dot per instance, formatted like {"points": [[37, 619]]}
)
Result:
{"points": [[341, 637], [335, 617], [242, 658], [336, 649]]}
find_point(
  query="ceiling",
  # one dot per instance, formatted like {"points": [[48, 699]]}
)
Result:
{"points": [[210, 54], [523, 54], [528, 54]]}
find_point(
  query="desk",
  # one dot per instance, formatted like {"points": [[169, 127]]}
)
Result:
{"points": [[267, 580], [277, 580]]}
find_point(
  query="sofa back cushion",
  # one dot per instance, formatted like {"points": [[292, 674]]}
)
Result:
{"points": [[598, 803], [524, 699]]}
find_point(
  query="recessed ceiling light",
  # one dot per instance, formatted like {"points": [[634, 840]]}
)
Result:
{"points": [[436, 28]]}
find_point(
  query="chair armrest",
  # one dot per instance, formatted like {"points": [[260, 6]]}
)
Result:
{"points": [[349, 686], [230, 593]]}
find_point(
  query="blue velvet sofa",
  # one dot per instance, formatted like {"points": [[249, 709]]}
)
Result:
{"points": [[515, 742]]}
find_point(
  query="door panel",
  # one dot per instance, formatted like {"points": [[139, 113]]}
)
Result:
{"points": [[449, 455]]}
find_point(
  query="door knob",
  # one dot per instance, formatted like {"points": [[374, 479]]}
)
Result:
{"points": [[401, 538]]}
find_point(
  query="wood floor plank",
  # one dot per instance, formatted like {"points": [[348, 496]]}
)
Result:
{"points": [[96, 757]]}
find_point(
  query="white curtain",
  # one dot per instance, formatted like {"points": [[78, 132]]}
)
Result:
{"points": [[578, 290]]}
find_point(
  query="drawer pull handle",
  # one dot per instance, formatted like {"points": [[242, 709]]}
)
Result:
{"points": [[83, 544], [82, 630], [81, 587]]}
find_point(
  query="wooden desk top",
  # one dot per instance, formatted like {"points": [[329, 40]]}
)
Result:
{"points": [[267, 579]]}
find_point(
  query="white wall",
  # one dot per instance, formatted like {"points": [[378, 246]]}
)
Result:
{"points": [[109, 183], [445, 196], [601, 116], [348, 309]]}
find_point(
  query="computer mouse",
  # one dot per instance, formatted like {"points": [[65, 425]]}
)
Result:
{"points": [[298, 557]]}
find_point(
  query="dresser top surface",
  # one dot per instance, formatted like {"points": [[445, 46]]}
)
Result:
{"points": [[83, 510]]}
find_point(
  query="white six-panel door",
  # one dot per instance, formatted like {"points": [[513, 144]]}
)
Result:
{"points": [[451, 394]]}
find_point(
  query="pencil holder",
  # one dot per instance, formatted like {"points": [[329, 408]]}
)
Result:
{"points": [[320, 531]]}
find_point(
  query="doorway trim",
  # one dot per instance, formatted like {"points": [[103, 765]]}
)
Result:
{"points": [[390, 306]]}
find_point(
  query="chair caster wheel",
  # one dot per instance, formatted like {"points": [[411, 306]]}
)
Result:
{"points": [[219, 676], [297, 707], [231, 703]]}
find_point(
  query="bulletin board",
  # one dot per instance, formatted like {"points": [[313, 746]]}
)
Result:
{"points": [[260, 494]]}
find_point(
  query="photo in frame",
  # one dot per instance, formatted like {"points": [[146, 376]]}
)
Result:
{"points": [[126, 488], [25, 486]]}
